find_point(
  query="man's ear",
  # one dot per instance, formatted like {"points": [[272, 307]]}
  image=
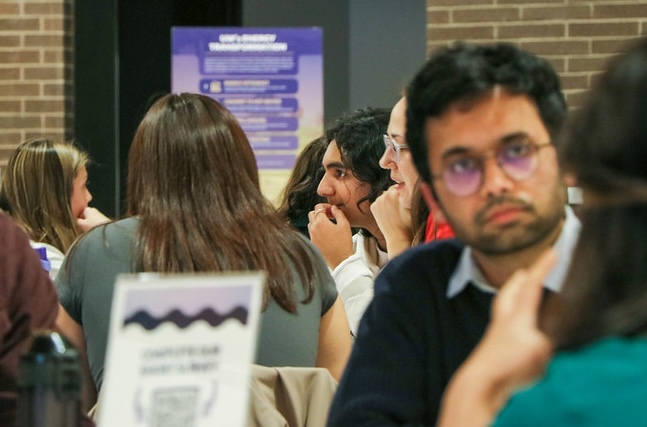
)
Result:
{"points": [[429, 196]]}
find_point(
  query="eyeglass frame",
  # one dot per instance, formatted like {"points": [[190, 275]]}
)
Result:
{"points": [[495, 153], [390, 143]]}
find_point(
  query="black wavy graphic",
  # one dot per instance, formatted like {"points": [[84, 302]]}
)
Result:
{"points": [[176, 316]]}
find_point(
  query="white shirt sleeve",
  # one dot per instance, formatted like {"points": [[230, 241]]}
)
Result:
{"points": [[354, 279]]}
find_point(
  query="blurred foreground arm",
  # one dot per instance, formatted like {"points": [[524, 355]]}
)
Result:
{"points": [[512, 353]]}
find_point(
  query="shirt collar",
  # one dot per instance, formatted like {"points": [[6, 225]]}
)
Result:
{"points": [[467, 271]]}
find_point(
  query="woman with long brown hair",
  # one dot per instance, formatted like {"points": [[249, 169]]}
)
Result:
{"points": [[195, 205]]}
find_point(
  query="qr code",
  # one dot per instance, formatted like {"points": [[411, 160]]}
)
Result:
{"points": [[174, 407]]}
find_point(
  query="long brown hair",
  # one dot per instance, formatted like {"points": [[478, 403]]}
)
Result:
{"points": [[193, 182], [605, 148], [37, 186]]}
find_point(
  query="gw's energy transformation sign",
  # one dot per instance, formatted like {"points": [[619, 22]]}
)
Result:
{"points": [[270, 78]]}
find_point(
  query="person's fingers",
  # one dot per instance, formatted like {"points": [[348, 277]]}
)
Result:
{"points": [[339, 216], [312, 215]]}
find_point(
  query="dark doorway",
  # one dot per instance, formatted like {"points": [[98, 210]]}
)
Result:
{"points": [[122, 62]]}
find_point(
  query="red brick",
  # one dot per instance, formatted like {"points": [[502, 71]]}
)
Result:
{"points": [[524, 2], [603, 29], [18, 24], [624, 10], [558, 13], [57, 24], [54, 89], [437, 32], [562, 47], [21, 57], [435, 3], [19, 89], [438, 17], [559, 64], [52, 122], [10, 106], [588, 64], [527, 31], [616, 45], [52, 40], [19, 122], [43, 106], [58, 56], [9, 8], [578, 81], [9, 41], [44, 73], [44, 8], [9, 73], [9, 140], [497, 14]]}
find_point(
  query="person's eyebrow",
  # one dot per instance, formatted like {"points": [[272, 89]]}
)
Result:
{"points": [[453, 151], [506, 139], [514, 137], [335, 165]]}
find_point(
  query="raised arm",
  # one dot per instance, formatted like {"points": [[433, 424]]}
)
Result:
{"points": [[394, 221], [513, 352], [334, 340]]}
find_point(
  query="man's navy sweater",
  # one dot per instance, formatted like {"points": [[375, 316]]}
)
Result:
{"points": [[410, 342]]}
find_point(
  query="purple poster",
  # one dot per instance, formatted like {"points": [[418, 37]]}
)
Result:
{"points": [[270, 78]]}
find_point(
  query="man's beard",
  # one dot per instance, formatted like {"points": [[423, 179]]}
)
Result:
{"points": [[513, 237]]}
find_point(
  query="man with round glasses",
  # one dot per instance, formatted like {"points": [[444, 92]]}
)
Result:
{"points": [[481, 121]]}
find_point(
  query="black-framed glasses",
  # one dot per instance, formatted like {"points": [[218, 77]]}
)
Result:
{"points": [[390, 143], [462, 173]]}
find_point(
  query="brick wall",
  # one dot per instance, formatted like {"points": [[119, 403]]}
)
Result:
{"points": [[576, 36], [35, 71]]}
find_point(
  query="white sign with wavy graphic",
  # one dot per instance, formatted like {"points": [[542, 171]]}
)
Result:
{"points": [[180, 350]]}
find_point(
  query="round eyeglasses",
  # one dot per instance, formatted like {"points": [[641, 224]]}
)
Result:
{"points": [[390, 143], [462, 173]]}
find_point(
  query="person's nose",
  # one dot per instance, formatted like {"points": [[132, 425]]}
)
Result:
{"points": [[88, 196], [325, 189], [495, 180], [387, 161]]}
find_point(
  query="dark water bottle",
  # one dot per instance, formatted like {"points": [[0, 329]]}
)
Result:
{"points": [[50, 383]]}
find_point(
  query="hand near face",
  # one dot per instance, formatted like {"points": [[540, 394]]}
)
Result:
{"points": [[333, 239], [90, 218], [512, 353], [394, 221]]}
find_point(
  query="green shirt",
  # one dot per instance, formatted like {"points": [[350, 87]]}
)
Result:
{"points": [[603, 384], [86, 286]]}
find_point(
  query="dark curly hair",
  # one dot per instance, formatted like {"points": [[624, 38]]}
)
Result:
{"points": [[466, 72], [359, 138], [300, 193]]}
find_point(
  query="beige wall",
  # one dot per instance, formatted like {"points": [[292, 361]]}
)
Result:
{"points": [[576, 36], [35, 71]]}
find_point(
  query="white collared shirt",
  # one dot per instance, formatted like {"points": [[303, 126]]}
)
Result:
{"points": [[355, 275], [467, 271]]}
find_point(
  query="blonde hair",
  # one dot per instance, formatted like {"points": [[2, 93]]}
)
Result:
{"points": [[37, 186]]}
